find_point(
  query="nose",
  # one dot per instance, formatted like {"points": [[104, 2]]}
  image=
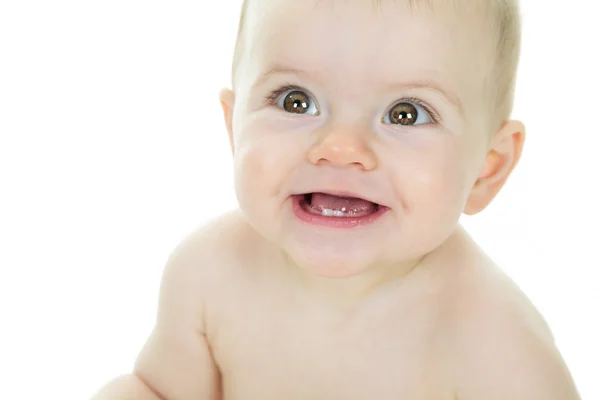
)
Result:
{"points": [[343, 146]]}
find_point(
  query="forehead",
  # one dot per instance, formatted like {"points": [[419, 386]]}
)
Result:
{"points": [[355, 42]]}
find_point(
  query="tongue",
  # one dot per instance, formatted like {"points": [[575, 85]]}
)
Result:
{"points": [[350, 205]]}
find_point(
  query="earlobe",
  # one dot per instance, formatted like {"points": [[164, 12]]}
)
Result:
{"points": [[502, 157], [227, 99]]}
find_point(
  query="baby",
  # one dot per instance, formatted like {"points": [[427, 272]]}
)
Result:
{"points": [[361, 131]]}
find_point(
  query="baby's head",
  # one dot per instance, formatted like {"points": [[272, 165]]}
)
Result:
{"points": [[403, 103]]}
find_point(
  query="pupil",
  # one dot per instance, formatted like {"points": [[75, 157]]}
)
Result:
{"points": [[404, 114], [296, 103]]}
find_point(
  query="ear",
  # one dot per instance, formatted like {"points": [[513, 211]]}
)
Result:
{"points": [[502, 157], [227, 99]]}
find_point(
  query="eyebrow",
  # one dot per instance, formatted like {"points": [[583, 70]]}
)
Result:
{"points": [[449, 95], [276, 70]]}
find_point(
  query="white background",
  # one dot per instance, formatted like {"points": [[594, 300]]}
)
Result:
{"points": [[112, 148]]}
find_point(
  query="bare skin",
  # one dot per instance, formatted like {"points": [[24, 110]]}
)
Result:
{"points": [[261, 304], [257, 331]]}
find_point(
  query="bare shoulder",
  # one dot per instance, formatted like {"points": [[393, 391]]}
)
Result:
{"points": [[176, 361], [197, 258], [214, 244], [202, 264], [502, 347]]}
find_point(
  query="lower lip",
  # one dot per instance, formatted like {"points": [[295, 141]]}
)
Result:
{"points": [[298, 205]]}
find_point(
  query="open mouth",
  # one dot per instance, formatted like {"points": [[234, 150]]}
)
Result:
{"points": [[329, 205], [336, 211]]}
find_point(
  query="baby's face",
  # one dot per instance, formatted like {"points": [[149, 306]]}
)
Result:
{"points": [[381, 102]]}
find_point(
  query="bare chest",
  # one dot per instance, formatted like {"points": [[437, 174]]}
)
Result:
{"points": [[267, 350]]}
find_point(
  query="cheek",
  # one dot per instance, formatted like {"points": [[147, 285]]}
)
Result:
{"points": [[434, 181], [253, 172], [262, 161], [439, 187]]}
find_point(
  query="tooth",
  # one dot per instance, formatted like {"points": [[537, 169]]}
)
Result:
{"points": [[327, 212]]}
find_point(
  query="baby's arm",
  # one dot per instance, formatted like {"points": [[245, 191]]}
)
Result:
{"points": [[175, 363]]}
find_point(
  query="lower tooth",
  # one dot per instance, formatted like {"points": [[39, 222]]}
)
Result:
{"points": [[326, 212]]}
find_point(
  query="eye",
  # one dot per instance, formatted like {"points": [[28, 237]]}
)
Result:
{"points": [[408, 114], [294, 101]]}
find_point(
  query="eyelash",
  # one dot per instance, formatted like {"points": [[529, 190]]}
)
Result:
{"points": [[272, 98]]}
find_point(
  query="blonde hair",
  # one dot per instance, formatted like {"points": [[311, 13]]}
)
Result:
{"points": [[506, 27]]}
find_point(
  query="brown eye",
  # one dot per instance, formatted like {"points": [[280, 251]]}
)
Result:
{"points": [[296, 103], [404, 114]]}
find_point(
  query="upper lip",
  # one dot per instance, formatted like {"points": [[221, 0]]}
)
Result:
{"points": [[343, 193]]}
